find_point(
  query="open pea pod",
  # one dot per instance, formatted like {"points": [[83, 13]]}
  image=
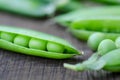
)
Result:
{"points": [[67, 19], [109, 62], [35, 43], [108, 25]]}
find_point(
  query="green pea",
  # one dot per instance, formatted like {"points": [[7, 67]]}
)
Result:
{"points": [[105, 46], [53, 47], [7, 36], [21, 40], [94, 40], [117, 42], [37, 44]]}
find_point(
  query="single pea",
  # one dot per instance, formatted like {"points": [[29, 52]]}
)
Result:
{"points": [[117, 42], [8, 36], [54, 47], [105, 46], [94, 40], [21, 40], [37, 44]]}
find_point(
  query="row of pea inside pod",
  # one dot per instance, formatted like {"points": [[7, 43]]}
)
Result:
{"points": [[106, 57]]}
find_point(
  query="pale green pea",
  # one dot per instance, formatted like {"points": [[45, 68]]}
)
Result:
{"points": [[37, 44], [105, 46], [117, 42], [54, 47], [7, 36], [94, 40], [21, 40]]}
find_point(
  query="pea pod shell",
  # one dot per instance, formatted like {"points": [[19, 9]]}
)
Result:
{"points": [[82, 13], [109, 1], [38, 35], [29, 7], [109, 62], [109, 25]]}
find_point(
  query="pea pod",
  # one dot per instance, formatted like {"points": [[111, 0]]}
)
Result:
{"points": [[108, 62], [103, 48], [109, 25], [33, 8], [82, 13], [35, 43], [109, 1]]}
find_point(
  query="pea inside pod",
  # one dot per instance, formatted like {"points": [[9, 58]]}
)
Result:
{"points": [[35, 43]]}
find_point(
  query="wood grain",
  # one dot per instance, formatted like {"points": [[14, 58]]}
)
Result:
{"points": [[15, 66]]}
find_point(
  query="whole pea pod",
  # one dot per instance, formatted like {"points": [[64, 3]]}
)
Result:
{"points": [[109, 62], [35, 43], [109, 1], [67, 19], [33, 8], [108, 25]]}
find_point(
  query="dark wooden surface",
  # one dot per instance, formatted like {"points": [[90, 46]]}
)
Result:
{"points": [[15, 66]]}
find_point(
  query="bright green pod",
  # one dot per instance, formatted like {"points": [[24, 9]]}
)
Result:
{"points": [[33, 8], [104, 47], [94, 40], [108, 25], [35, 43], [68, 18], [117, 42], [109, 62]]}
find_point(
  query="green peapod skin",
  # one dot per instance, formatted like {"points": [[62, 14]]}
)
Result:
{"points": [[33, 8], [35, 43], [67, 19], [108, 25], [109, 62], [104, 47], [109, 1]]}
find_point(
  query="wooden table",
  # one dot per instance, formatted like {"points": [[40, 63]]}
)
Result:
{"points": [[15, 66]]}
